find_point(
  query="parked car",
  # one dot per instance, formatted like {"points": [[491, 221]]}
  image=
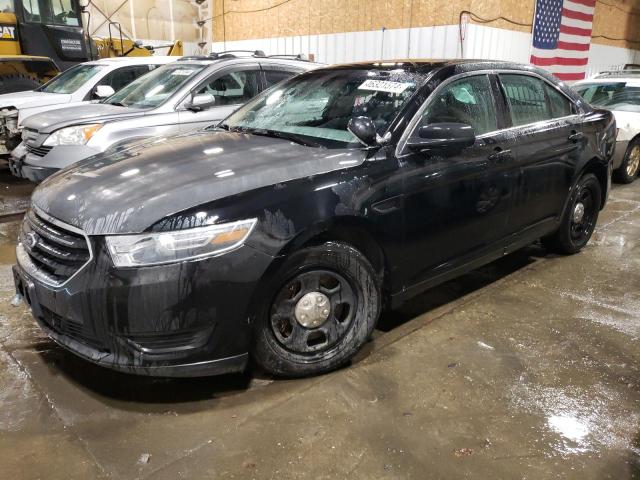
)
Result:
{"points": [[186, 95], [619, 91], [281, 233], [77, 85]]}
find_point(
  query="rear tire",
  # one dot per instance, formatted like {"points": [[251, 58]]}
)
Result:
{"points": [[317, 311], [17, 83], [579, 219], [628, 170]]}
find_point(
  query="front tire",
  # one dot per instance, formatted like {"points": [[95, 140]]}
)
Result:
{"points": [[579, 219], [317, 312], [628, 170]]}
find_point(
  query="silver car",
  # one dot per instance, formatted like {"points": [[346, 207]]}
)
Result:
{"points": [[80, 84], [186, 95]]}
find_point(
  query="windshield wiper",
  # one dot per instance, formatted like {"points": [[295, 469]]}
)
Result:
{"points": [[118, 104], [299, 139]]}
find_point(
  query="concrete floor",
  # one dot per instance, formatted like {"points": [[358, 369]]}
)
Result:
{"points": [[527, 368]]}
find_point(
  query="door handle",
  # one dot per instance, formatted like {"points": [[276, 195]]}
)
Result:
{"points": [[499, 155], [575, 136], [388, 205]]}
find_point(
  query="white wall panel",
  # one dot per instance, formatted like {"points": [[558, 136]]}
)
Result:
{"points": [[604, 57], [439, 42]]}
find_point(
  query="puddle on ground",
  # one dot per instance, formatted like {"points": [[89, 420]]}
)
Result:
{"points": [[623, 317], [577, 420], [8, 234], [15, 193], [19, 399]]}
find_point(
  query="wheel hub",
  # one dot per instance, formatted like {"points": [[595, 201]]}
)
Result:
{"points": [[313, 309], [578, 212]]}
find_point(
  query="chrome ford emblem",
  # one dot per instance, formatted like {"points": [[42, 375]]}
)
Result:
{"points": [[32, 239]]}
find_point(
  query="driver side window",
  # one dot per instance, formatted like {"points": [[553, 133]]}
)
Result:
{"points": [[468, 100], [233, 88]]}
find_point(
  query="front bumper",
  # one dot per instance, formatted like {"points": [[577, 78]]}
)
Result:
{"points": [[36, 168], [20, 168], [188, 319]]}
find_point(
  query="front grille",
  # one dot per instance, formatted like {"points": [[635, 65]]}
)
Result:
{"points": [[39, 151], [56, 251], [71, 329]]}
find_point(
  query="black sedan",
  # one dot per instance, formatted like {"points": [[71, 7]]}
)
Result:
{"points": [[281, 234]]}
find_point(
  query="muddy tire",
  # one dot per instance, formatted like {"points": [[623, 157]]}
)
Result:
{"points": [[317, 312], [17, 83], [579, 219], [628, 170]]}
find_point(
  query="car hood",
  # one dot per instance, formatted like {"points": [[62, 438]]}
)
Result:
{"points": [[626, 119], [26, 112], [47, 122], [32, 99], [130, 190]]}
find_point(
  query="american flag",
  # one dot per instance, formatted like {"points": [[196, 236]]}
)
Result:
{"points": [[562, 37]]}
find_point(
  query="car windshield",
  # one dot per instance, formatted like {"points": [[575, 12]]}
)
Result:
{"points": [[318, 105], [611, 95], [152, 89], [71, 80]]}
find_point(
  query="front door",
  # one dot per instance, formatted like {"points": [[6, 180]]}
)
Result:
{"points": [[457, 204], [231, 88]]}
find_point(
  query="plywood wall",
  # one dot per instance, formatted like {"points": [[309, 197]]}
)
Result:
{"points": [[251, 19], [617, 20], [304, 17], [151, 19]]}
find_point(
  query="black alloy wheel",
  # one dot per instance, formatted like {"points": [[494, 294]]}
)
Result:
{"points": [[579, 218]]}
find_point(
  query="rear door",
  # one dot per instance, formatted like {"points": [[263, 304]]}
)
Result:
{"points": [[274, 74], [548, 142], [231, 87]]}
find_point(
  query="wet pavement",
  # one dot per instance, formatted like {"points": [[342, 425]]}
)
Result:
{"points": [[527, 368], [14, 193]]}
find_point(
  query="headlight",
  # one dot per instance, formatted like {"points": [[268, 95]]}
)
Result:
{"points": [[169, 247], [78, 135]]}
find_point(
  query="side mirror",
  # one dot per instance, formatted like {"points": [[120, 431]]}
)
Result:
{"points": [[364, 130], [201, 101], [103, 91], [443, 136]]}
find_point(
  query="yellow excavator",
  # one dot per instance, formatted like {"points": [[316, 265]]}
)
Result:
{"points": [[41, 38]]}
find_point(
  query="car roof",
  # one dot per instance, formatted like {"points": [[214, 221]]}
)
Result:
{"points": [[150, 60], [630, 81], [205, 60], [425, 65]]}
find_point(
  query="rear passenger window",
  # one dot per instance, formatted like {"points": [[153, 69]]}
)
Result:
{"points": [[560, 105], [233, 88], [124, 76], [277, 76], [468, 100], [526, 99]]}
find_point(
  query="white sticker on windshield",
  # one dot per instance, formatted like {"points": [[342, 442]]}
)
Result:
{"points": [[182, 72], [384, 86]]}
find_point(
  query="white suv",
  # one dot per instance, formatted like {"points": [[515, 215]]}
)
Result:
{"points": [[619, 91], [81, 83]]}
